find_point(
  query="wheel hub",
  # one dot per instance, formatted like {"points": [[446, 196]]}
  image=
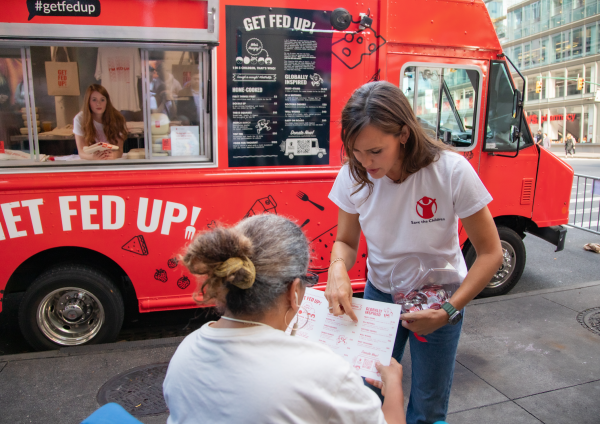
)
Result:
{"points": [[70, 316], [506, 269], [74, 307]]}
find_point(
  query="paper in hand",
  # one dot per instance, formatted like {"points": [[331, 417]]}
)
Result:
{"points": [[362, 344]]}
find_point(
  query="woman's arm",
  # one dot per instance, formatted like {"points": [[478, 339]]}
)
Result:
{"points": [[116, 154], [483, 235], [80, 142], [339, 288], [391, 388]]}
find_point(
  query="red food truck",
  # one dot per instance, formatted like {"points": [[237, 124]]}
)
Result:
{"points": [[232, 110]]}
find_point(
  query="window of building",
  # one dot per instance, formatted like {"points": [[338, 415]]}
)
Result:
{"points": [[544, 79], [556, 16], [145, 105], [589, 73], [445, 101], [573, 123], [590, 39], [578, 10], [577, 42], [517, 56], [531, 88], [556, 128], [572, 75], [535, 52], [526, 25], [544, 51], [533, 120], [558, 47], [558, 82], [526, 55], [590, 8], [566, 45], [545, 15], [517, 21]]}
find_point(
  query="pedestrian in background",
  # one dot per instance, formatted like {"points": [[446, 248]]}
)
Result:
{"points": [[569, 145], [538, 137], [546, 142]]}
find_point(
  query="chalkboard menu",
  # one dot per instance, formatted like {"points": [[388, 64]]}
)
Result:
{"points": [[278, 86]]}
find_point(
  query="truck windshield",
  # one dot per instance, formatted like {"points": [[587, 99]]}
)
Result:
{"points": [[444, 100], [499, 115]]}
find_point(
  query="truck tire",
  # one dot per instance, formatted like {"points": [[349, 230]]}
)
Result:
{"points": [[320, 155], [291, 156], [70, 305], [513, 263]]}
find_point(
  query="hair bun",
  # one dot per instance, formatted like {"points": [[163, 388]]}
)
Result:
{"points": [[228, 270]]}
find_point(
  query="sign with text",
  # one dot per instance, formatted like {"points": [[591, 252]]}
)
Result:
{"points": [[140, 20], [63, 8], [278, 86]]}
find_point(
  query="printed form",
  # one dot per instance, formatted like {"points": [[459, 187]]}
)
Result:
{"points": [[362, 344]]}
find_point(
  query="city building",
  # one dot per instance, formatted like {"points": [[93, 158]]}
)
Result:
{"points": [[554, 43]]}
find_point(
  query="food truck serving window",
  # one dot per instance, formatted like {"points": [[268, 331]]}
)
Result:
{"points": [[65, 106], [445, 100]]}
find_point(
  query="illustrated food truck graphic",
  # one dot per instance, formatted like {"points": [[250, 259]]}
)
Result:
{"points": [[84, 241], [302, 147]]}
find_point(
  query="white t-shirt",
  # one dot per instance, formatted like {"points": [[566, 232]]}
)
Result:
{"points": [[261, 375], [418, 216], [78, 128], [118, 68]]}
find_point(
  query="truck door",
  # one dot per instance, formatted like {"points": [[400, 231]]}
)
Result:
{"points": [[510, 178]]}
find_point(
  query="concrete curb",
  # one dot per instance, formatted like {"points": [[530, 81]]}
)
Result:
{"points": [[94, 349], [531, 293]]}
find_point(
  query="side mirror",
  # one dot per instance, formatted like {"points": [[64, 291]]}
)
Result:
{"points": [[517, 103], [515, 134]]}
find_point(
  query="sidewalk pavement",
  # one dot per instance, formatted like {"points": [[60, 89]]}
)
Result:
{"points": [[561, 154], [522, 358]]}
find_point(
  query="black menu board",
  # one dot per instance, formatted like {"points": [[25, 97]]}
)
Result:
{"points": [[278, 86]]}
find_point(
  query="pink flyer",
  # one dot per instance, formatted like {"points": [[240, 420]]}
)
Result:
{"points": [[363, 344]]}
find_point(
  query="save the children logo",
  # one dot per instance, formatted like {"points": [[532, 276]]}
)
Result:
{"points": [[63, 8], [426, 207]]}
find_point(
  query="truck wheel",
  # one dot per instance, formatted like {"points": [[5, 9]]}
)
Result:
{"points": [[513, 263], [320, 155], [70, 305], [291, 156]]}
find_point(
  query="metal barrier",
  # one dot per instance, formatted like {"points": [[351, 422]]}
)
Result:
{"points": [[584, 209]]}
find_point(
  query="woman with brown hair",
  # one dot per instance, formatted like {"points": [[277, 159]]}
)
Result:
{"points": [[406, 192], [99, 122], [243, 368]]}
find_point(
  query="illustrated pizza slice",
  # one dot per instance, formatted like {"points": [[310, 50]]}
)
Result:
{"points": [[136, 245]]}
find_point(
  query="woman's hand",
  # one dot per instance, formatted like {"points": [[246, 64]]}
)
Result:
{"points": [[339, 291], [101, 155], [391, 388], [390, 376], [424, 322]]}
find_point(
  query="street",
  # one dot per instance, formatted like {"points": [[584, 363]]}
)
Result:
{"points": [[544, 269], [547, 269]]}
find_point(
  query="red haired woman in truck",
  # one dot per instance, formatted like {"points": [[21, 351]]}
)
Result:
{"points": [[406, 191], [99, 122]]}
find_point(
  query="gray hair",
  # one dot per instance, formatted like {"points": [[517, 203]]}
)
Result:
{"points": [[275, 245]]}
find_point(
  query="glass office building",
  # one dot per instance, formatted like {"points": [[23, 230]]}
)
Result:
{"points": [[556, 42]]}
